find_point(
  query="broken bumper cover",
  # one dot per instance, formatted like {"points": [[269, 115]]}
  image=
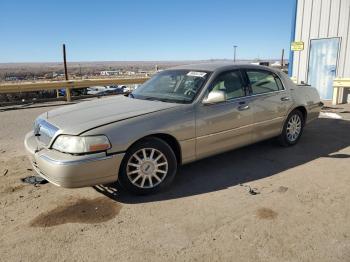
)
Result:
{"points": [[72, 170]]}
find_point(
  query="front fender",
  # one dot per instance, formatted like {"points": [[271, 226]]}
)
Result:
{"points": [[178, 123]]}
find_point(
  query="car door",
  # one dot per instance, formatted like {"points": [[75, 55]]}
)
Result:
{"points": [[225, 125], [270, 102]]}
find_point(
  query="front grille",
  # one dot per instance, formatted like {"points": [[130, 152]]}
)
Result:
{"points": [[44, 131]]}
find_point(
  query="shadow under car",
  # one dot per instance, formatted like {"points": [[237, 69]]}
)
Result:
{"points": [[321, 138]]}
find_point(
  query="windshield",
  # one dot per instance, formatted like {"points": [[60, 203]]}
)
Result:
{"points": [[177, 86]]}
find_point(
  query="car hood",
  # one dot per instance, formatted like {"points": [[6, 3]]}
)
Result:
{"points": [[78, 118]]}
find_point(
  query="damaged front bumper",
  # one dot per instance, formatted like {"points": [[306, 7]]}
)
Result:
{"points": [[72, 171]]}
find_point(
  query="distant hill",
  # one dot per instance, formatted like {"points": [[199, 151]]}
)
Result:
{"points": [[93, 68]]}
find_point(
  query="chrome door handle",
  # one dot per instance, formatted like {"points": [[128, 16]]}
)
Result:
{"points": [[286, 98], [243, 107]]}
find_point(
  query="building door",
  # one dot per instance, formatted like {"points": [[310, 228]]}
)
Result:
{"points": [[323, 65]]}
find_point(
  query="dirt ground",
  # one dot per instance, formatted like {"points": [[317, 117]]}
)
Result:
{"points": [[300, 210]]}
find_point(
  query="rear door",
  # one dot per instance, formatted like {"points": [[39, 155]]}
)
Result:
{"points": [[270, 102], [226, 125]]}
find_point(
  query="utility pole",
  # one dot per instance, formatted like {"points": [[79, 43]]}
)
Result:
{"points": [[234, 55], [282, 59], [81, 76], [66, 73]]}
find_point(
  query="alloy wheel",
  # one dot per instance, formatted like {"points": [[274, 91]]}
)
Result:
{"points": [[294, 126], [147, 168]]}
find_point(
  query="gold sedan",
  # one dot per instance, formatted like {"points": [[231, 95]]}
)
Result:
{"points": [[180, 115]]}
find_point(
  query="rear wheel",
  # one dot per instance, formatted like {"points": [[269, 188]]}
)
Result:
{"points": [[148, 166], [292, 129]]}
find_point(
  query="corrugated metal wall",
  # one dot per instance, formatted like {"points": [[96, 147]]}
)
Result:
{"points": [[322, 19]]}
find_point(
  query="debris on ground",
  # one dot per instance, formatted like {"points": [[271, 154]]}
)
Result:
{"points": [[252, 191], [338, 156], [5, 172], [325, 108], [34, 180], [282, 189], [266, 213]]}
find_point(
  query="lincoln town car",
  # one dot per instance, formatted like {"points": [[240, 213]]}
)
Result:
{"points": [[180, 115]]}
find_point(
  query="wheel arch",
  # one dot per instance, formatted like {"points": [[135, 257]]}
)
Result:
{"points": [[303, 110], [169, 139]]}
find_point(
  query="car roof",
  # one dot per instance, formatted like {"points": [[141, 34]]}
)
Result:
{"points": [[211, 67]]}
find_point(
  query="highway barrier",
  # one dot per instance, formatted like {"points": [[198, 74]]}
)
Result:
{"points": [[70, 84]]}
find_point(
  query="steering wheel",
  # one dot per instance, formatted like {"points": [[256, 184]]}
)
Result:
{"points": [[190, 92]]}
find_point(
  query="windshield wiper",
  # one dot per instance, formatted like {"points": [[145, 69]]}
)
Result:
{"points": [[182, 101], [149, 98], [166, 100]]}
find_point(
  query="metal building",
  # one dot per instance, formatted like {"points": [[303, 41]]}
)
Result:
{"points": [[321, 36]]}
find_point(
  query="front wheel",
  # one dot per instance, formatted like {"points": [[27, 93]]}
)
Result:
{"points": [[148, 166], [292, 129]]}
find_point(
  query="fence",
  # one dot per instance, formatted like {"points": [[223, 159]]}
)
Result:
{"points": [[70, 84]]}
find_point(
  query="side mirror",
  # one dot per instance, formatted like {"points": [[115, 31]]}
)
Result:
{"points": [[215, 97]]}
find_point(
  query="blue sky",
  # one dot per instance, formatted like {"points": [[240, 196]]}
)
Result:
{"points": [[33, 31]]}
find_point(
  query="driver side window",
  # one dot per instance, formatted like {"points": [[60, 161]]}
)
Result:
{"points": [[230, 83]]}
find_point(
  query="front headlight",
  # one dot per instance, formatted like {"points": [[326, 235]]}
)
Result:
{"points": [[81, 144]]}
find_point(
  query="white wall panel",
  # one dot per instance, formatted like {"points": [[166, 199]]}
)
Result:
{"points": [[316, 14], [334, 18], [346, 62], [298, 35], [343, 32], [324, 19], [303, 61]]}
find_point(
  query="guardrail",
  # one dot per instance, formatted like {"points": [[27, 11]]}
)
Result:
{"points": [[338, 85], [70, 84]]}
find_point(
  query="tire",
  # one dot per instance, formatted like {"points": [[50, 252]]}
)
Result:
{"points": [[292, 129], [140, 175]]}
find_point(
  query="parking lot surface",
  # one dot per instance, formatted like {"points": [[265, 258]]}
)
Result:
{"points": [[258, 203]]}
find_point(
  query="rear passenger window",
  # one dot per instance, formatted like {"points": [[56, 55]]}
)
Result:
{"points": [[264, 81], [279, 83]]}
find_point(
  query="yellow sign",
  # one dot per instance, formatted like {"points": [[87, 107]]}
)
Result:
{"points": [[297, 46]]}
